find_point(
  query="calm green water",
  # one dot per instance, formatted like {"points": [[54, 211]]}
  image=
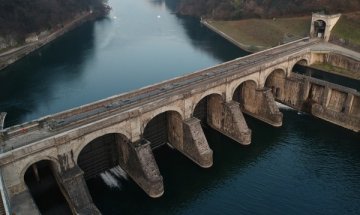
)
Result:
{"points": [[305, 167]]}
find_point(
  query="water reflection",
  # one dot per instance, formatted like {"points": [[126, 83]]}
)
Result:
{"points": [[33, 79], [185, 183], [206, 40], [284, 169], [108, 57], [201, 37], [170, 4]]}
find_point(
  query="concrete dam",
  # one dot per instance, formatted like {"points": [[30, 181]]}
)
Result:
{"points": [[80, 143]]}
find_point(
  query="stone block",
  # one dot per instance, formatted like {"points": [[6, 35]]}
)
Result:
{"points": [[76, 192], [142, 168], [233, 124], [196, 146]]}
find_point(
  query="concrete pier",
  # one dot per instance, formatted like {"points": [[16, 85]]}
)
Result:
{"points": [[139, 163], [232, 123], [75, 190], [114, 128], [263, 107], [196, 146]]}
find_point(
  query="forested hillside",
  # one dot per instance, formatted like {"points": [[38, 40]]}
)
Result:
{"points": [[20, 17], [230, 9]]}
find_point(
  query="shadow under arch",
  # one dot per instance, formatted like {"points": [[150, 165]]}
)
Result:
{"points": [[244, 93], [42, 179], [103, 153], [165, 128], [113, 157], [276, 82], [207, 109], [299, 66], [319, 28]]}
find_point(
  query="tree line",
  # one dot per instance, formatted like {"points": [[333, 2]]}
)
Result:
{"points": [[20, 17]]}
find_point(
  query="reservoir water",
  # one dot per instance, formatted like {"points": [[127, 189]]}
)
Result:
{"points": [[307, 166]]}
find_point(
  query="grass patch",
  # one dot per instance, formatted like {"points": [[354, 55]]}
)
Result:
{"points": [[265, 32], [348, 28], [336, 70]]}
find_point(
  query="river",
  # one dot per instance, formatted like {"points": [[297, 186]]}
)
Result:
{"points": [[307, 166]]}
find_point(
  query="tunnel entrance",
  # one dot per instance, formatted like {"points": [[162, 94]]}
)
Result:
{"points": [[319, 28], [40, 179], [165, 128]]}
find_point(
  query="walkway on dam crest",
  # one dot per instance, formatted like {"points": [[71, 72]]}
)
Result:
{"points": [[48, 126], [121, 131]]}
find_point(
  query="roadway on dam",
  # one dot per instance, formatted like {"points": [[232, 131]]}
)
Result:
{"points": [[306, 165]]}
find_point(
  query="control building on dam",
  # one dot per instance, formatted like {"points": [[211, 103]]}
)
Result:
{"points": [[80, 143]]}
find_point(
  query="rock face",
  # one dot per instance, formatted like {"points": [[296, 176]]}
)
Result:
{"points": [[228, 9]]}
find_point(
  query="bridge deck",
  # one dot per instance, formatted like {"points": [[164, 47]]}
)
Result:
{"points": [[49, 126]]}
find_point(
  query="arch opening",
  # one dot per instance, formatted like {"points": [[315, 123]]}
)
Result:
{"points": [[41, 178], [209, 109], [302, 67], [276, 82], [165, 128], [100, 160], [245, 94], [319, 28]]}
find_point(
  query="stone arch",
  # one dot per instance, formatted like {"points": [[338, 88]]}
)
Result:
{"points": [[303, 62], [239, 89], [103, 153], [41, 178], [85, 140], [165, 127], [36, 160], [286, 72], [276, 82], [205, 94], [320, 26], [297, 65], [209, 109], [238, 83], [245, 95], [147, 117]]}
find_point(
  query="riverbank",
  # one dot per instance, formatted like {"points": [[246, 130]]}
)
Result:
{"points": [[259, 34], [10, 56], [347, 31], [255, 35]]}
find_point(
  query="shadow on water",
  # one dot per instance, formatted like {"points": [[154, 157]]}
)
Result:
{"points": [[206, 40], [326, 76], [184, 181], [45, 191], [201, 37], [58, 62], [255, 169]]}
